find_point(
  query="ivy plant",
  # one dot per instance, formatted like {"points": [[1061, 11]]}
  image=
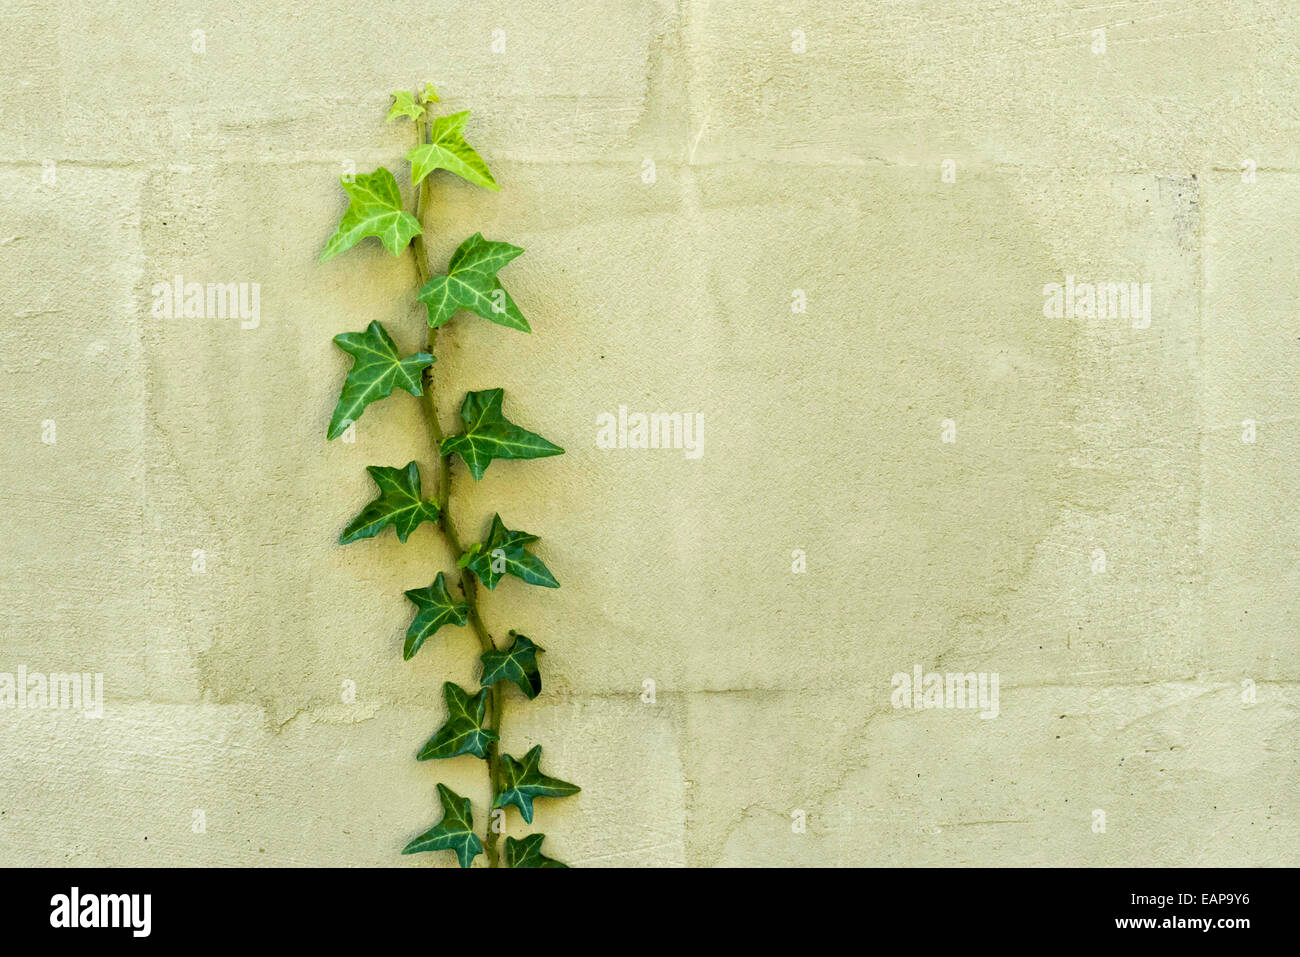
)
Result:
{"points": [[471, 284]]}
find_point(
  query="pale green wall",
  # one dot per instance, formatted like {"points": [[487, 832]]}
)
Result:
{"points": [[776, 171]]}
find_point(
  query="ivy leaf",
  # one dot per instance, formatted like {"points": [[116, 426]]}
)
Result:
{"points": [[448, 150], [376, 370], [404, 105], [399, 504], [455, 832], [471, 283], [430, 95], [527, 852], [517, 664], [374, 209], [436, 609], [504, 554], [521, 781], [463, 732], [490, 435]]}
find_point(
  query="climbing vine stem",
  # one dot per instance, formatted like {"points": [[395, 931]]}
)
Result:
{"points": [[465, 582]]}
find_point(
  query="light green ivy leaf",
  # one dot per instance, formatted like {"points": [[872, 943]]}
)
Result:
{"points": [[404, 104], [430, 95], [522, 781], [376, 370], [471, 283], [374, 209], [527, 852], [490, 435], [400, 504], [448, 150], [463, 732], [504, 554], [455, 832], [436, 608], [518, 663]]}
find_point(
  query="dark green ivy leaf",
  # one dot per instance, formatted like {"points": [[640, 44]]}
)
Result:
{"points": [[471, 283], [504, 554], [455, 832], [463, 732], [436, 608], [399, 504], [517, 664], [376, 370], [448, 150], [490, 435], [527, 852], [374, 209], [522, 781]]}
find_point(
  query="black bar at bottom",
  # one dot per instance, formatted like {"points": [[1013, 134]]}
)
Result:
{"points": [[926, 907]]}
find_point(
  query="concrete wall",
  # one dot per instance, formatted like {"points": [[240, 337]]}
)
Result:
{"points": [[127, 158]]}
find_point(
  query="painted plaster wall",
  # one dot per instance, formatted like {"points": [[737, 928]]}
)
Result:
{"points": [[127, 158]]}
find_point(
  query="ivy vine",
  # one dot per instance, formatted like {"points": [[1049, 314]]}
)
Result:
{"points": [[470, 284]]}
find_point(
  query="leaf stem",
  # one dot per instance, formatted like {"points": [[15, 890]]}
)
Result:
{"points": [[465, 579]]}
